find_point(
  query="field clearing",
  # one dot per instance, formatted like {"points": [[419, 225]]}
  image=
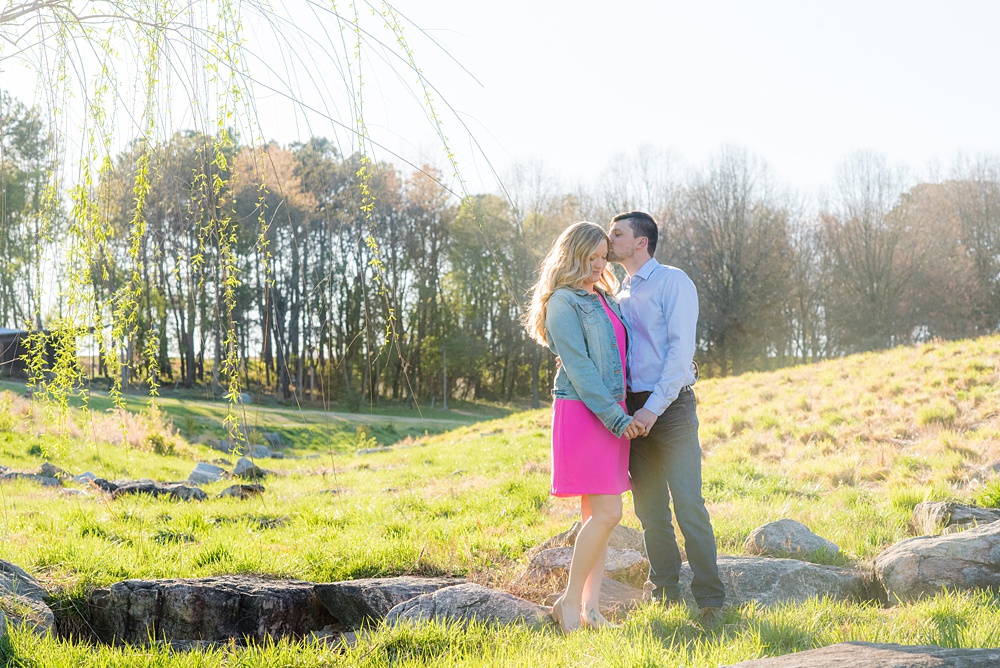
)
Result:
{"points": [[847, 447]]}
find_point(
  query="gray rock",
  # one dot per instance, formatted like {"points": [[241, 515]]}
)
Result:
{"points": [[22, 601], [206, 473], [221, 446], [769, 581], [371, 451], [214, 609], [45, 481], [247, 470], [552, 565], [84, 477], [260, 452], [787, 537], [272, 438], [873, 655], [923, 566], [354, 602], [49, 470], [242, 491], [174, 490], [244, 398], [935, 517], [622, 538], [469, 602]]}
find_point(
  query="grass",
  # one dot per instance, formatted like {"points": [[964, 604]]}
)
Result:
{"points": [[847, 447]]}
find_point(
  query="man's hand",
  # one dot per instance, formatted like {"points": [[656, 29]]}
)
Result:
{"points": [[646, 419]]}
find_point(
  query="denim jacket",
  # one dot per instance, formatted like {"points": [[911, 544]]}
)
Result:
{"points": [[581, 335]]}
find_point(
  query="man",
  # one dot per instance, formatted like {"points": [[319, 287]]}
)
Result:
{"points": [[660, 307]]}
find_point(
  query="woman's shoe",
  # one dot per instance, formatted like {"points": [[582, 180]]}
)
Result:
{"points": [[559, 614], [593, 619]]}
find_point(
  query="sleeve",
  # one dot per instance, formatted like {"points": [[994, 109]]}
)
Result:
{"points": [[679, 308], [566, 337]]}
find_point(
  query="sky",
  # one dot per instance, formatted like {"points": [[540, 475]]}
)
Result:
{"points": [[572, 85], [799, 84]]}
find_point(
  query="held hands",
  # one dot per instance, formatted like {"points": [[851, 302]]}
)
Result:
{"points": [[634, 430], [643, 419]]}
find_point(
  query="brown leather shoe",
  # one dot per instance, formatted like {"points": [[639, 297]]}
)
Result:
{"points": [[709, 617]]}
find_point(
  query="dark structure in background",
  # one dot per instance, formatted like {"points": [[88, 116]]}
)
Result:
{"points": [[11, 351]]}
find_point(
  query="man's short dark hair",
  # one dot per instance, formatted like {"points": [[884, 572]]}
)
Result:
{"points": [[642, 225]]}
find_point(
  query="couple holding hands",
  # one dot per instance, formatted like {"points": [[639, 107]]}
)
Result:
{"points": [[624, 414]]}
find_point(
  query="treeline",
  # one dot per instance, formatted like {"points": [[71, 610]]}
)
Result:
{"points": [[330, 277]]}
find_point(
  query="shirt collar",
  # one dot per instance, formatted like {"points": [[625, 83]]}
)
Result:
{"points": [[647, 269]]}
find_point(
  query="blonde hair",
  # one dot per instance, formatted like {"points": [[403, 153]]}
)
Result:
{"points": [[566, 265]]}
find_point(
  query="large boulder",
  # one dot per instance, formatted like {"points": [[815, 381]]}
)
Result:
{"points": [[769, 581], [469, 602], [873, 655], [22, 601], [926, 565], [354, 602], [552, 566], [935, 517], [216, 609], [785, 538]]}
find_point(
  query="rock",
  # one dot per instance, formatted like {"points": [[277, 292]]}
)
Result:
{"points": [[45, 481], [205, 473], [622, 538], [272, 438], [354, 602], [926, 565], [788, 538], [371, 451], [874, 655], [244, 398], [617, 598], [175, 490], [215, 609], [769, 581], [221, 446], [260, 452], [48, 470], [626, 566], [247, 470], [84, 477], [935, 517], [22, 601], [242, 491], [469, 602]]}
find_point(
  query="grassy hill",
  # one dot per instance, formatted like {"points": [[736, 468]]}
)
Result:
{"points": [[847, 447]]}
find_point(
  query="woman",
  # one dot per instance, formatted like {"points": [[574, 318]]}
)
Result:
{"points": [[573, 313]]}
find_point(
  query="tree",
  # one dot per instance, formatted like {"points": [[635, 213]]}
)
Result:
{"points": [[731, 236], [866, 262], [24, 168]]}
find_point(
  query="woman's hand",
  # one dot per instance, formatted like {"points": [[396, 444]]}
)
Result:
{"points": [[633, 430]]}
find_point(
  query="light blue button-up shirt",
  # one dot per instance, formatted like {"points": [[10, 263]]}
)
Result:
{"points": [[660, 306]]}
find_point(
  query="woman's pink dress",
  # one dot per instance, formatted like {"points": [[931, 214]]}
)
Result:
{"points": [[586, 457]]}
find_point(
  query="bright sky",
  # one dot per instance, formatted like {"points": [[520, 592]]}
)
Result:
{"points": [[571, 84], [799, 83]]}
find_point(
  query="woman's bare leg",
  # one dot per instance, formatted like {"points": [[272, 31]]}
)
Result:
{"points": [[602, 513]]}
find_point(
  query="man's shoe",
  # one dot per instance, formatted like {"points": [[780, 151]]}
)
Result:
{"points": [[710, 617]]}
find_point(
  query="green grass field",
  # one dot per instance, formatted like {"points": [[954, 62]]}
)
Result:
{"points": [[847, 447]]}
